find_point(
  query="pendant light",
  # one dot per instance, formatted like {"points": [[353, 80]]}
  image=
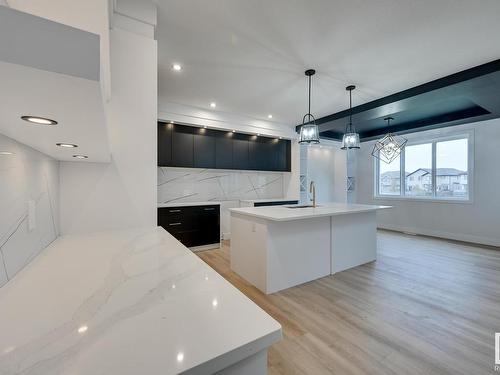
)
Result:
{"points": [[350, 140], [390, 146], [309, 132]]}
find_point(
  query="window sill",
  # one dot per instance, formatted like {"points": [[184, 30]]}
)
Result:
{"points": [[422, 199]]}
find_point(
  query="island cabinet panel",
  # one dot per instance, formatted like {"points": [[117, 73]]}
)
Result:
{"points": [[192, 225], [182, 146], [224, 150], [194, 147], [204, 148]]}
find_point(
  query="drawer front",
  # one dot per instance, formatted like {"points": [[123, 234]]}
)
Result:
{"points": [[192, 225]]}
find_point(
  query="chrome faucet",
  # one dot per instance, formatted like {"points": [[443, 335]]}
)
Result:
{"points": [[312, 190]]}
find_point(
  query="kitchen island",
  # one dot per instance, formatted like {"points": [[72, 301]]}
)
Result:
{"points": [[278, 247]]}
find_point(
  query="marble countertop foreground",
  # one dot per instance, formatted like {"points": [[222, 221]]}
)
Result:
{"points": [[125, 302], [284, 213]]}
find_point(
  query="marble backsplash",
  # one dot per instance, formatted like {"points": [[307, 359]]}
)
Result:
{"points": [[224, 186], [28, 178], [191, 185]]}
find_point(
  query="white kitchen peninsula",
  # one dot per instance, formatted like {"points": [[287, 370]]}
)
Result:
{"points": [[278, 247], [128, 302]]}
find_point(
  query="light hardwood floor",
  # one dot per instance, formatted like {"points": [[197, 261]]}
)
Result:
{"points": [[426, 306]]}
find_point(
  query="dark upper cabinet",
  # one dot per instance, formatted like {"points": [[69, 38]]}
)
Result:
{"points": [[164, 144], [224, 150], [193, 147], [283, 155], [261, 154], [241, 151], [204, 148], [182, 146]]}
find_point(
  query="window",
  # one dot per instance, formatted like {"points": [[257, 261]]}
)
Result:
{"points": [[433, 169], [418, 170], [452, 169], [390, 178]]}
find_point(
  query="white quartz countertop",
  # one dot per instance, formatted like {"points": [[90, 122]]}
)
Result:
{"points": [[125, 302], [187, 204], [284, 213], [268, 200]]}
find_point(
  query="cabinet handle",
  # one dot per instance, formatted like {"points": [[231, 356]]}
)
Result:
{"points": [[174, 210], [172, 224], [209, 209]]}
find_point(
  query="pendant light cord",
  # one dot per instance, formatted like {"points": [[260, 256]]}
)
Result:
{"points": [[350, 111], [309, 111]]}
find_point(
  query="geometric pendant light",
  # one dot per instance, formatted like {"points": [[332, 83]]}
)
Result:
{"points": [[389, 147], [309, 132], [350, 140]]}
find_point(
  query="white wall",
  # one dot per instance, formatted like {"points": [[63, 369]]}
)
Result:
{"points": [[325, 164], [478, 221], [26, 175], [122, 193]]}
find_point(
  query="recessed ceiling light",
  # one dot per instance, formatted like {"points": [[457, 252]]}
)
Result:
{"points": [[6, 153], [176, 67], [39, 120], [213, 104], [234, 131], [269, 116], [66, 145], [83, 329], [80, 156]]}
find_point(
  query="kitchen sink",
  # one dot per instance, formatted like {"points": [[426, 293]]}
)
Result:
{"points": [[303, 206]]}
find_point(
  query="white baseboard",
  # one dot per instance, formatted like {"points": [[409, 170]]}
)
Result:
{"points": [[447, 235], [226, 235]]}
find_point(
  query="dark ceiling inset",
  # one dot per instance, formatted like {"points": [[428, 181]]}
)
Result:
{"points": [[468, 96]]}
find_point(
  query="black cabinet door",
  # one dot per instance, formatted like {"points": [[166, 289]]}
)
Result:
{"points": [[164, 144], [255, 157], [283, 153], [192, 225], [182, 146], [224, 150], [241, 151], [204, 148], [261, 153], [208, 221]]}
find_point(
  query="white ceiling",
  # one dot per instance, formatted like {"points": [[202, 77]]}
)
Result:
{"points": [[249, 55], [43, 74]]}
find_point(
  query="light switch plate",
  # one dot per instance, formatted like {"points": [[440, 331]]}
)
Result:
{"points": [[31, 215]]}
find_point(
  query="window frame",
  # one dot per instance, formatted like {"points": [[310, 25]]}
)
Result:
{"points": [[418, 139]]}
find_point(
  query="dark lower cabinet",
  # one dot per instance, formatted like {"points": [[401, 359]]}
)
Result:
{"points": [[192, 225]]}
